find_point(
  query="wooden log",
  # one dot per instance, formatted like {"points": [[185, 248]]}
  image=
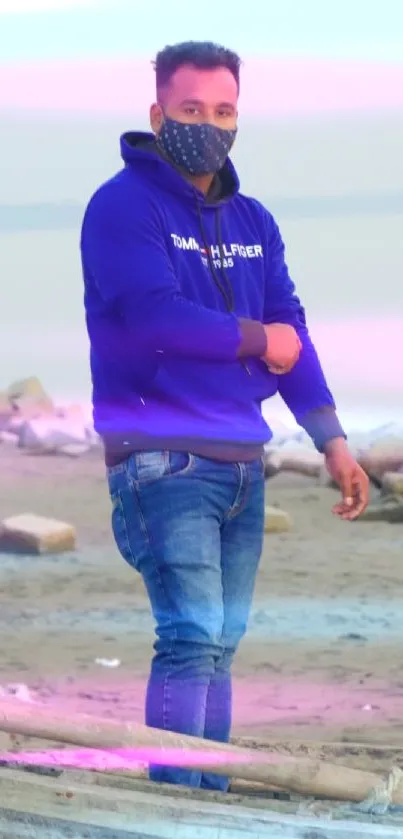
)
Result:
{"points": [[55, 808], [375, 757], [304, 776]]}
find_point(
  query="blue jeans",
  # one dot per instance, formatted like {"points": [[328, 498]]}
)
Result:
{"points": [[193, 528]]}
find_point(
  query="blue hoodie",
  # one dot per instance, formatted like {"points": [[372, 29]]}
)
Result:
{"points": [[177, 286]]}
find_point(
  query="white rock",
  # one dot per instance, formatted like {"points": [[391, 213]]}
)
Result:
{"points": [[19, 691], [51, 434], [108, 662], [276, 520], [29, 533], [93, 438], [73, 413], [74, 449]]}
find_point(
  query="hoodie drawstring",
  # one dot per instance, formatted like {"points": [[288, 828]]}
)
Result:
{"points": [[224, 288], [227, 291]]}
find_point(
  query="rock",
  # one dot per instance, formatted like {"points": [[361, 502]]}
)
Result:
{"points": [[93, 438], [72, 413], [272, 463], [9, 438], [280, 431], [276, 520], [388, 509], [49, 435], [385, 455], [302, 460], [15, 425], [392, 483], [29, 399], [74, 449], [33, 534], [6, 411]]}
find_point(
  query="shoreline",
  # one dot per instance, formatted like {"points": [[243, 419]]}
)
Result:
{"points": [[324, 638]]}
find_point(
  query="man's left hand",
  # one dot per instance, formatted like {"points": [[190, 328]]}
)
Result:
{"points": [[352, 480]]}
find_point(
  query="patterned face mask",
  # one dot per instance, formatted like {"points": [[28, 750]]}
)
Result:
{"points": [[199, 149]]}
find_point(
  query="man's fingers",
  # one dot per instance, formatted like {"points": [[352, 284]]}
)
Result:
{"points": [[279, 370], [361, 495], [353, 505], [347, 489]]}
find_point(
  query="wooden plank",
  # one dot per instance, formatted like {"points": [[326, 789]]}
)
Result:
{"points": [[368, 756], [303, 776], [22, 826], [140, 815]]}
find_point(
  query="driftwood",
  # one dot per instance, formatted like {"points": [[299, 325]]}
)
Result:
{"points": [[301, 776], [378, 756]]}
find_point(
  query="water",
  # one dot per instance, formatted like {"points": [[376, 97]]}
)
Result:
{"points": [[348, 271]]}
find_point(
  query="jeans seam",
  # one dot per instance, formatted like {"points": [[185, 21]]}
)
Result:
{"points": [[243, 491], [166, 696], [143, 523], [127, 543], [144, 528]]}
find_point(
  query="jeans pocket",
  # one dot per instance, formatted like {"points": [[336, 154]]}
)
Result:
{"points": [[120, 529], [147, 467], [180, 463]]}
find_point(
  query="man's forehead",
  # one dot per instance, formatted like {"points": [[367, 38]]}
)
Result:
{"points": [[212, 85]]}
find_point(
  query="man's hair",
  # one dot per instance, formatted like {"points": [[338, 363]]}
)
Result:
{"points": [[204, 55]]}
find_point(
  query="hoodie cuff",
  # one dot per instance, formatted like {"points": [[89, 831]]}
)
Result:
{"points": [[253, 339], [323, 425]]}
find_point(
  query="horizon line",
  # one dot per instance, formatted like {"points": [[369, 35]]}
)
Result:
{"points": [[68, 214]]}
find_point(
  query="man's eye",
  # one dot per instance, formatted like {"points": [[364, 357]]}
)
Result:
{"points": [[191, 111]]}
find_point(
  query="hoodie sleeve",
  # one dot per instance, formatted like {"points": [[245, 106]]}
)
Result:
{"points": [[304, 389], [124, 252]]}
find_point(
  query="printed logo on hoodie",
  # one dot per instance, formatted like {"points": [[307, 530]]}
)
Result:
{"points": [[227, 251]]}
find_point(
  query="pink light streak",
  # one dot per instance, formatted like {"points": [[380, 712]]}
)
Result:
{"points": [[270, 87], [260, 704], [367, 350], [137, 760]]}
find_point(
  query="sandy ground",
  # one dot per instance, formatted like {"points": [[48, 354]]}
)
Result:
{"points": [[323, 656]]}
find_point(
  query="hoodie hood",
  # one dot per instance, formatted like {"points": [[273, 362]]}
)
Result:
{"points": [[139, 149]]}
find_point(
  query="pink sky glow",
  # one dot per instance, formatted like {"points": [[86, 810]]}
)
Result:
{"points": [[278, 87]]}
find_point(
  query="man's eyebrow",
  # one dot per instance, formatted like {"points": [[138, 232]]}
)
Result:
{"points": [[191, 102], [199, 102]]}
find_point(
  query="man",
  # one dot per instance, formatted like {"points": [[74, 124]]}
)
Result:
{"points": [[194, 321]]}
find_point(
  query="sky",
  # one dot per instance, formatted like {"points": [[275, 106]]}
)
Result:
{"points": [[300, 56], [346, 29], [325, 76]]}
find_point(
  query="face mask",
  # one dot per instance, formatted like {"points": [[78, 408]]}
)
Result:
{"points": [[197, 149]]}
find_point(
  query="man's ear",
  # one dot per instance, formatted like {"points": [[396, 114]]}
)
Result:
{"points": [[156, 117]]}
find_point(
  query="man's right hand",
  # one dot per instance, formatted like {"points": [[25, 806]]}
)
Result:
{"points": [[283, 348]]}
